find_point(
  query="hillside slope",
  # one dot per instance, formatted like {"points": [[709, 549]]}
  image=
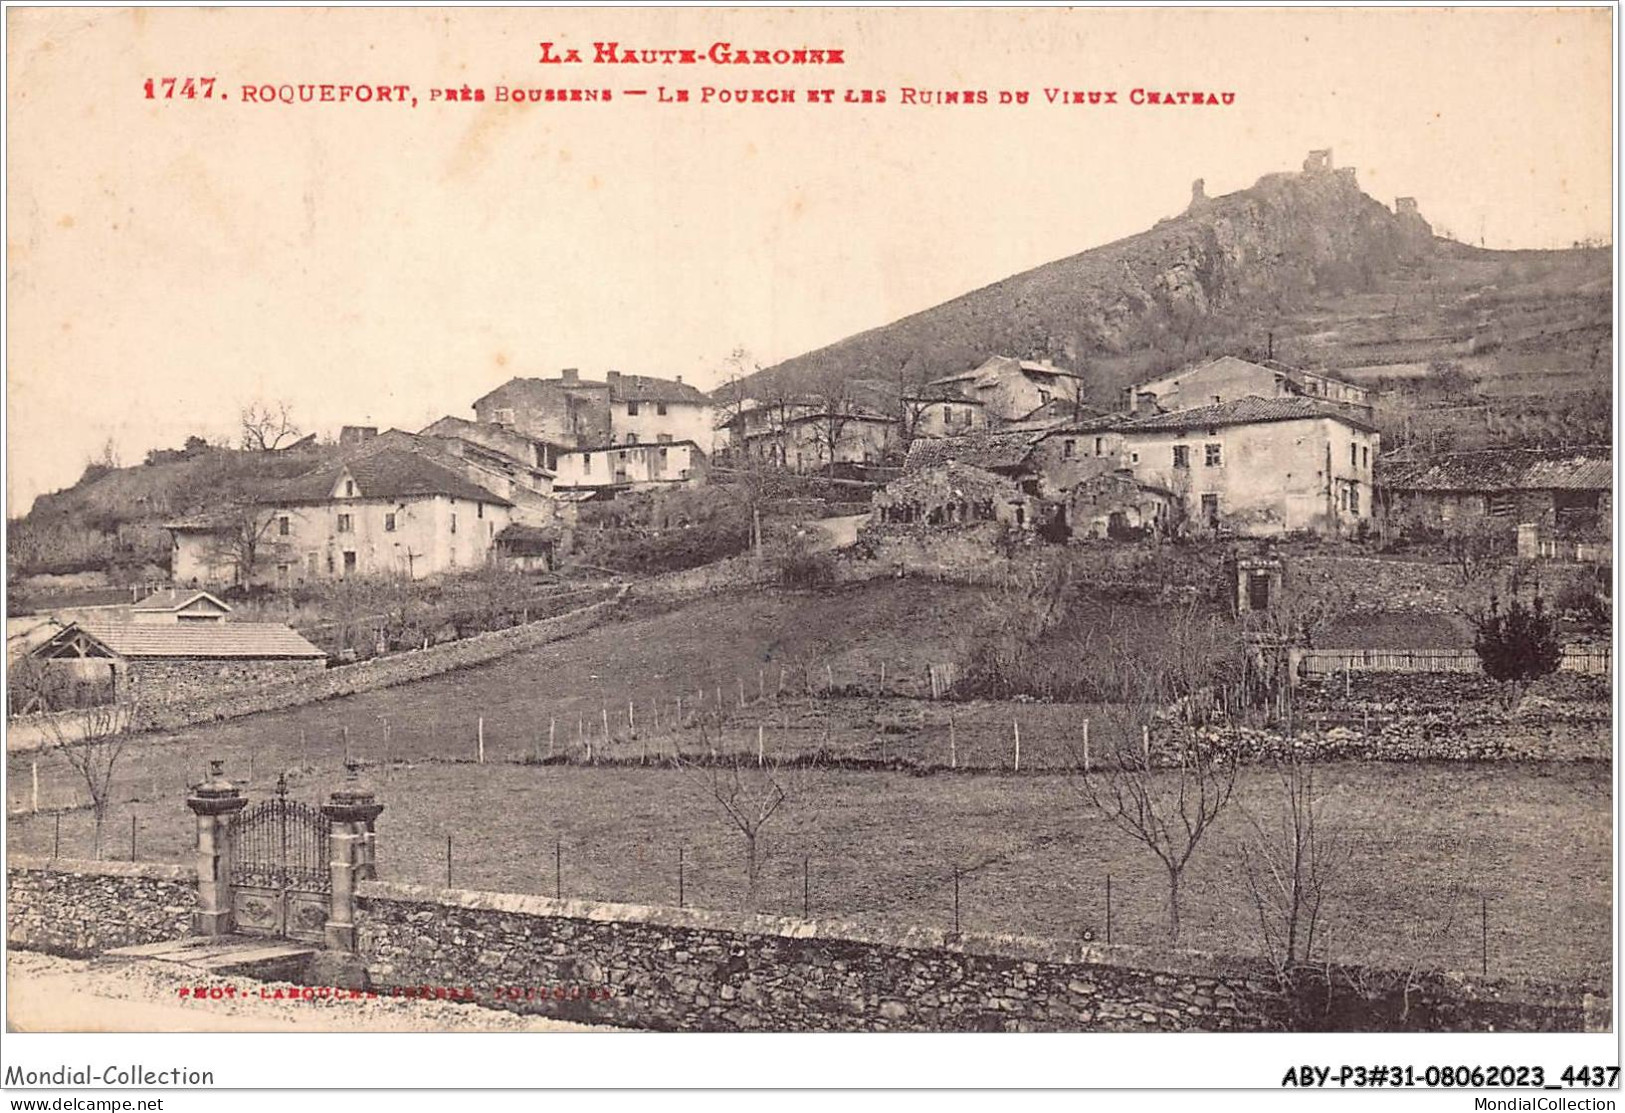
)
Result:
{"points": [[1304, 266]]}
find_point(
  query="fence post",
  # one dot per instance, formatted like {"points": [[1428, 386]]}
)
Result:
{"points": [[216, 803], [680, 894], [558, 867], [132, 836], [806, 887], [1108, 909], [480, 731], [448, 861], [1484, 932]]}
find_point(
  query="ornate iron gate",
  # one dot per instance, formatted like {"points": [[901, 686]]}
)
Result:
{"points": [[281, 868]]}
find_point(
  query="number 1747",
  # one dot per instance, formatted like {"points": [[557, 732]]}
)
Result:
{"points": [[168, 88]]}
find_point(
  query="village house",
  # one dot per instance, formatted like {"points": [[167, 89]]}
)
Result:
{"points": [[945, 409], [387, 512], [572, 412], [632, 467], [528, 488], [154, 663], [540, 456], [1001, 389], [1258, 466], [756, 430], [1228, 378], [1558, 494], [174, 606]]}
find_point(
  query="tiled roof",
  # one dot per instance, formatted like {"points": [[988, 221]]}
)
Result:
{"points": [[988, 451], [389, 473], [1250, 410], [528, 540], [646, 388], [1507, 469], [175, 599], [615, 446], [200, 639]]}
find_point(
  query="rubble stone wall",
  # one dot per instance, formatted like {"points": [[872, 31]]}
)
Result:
{"points": [[669, 968], [80, 908]]}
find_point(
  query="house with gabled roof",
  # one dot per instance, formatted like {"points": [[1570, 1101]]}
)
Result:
{"points": [[174, 605], [1258, 466], [573, 412], [1557, 492], [154, 663], [1001, 389], [388, 511], [1228, 378]]}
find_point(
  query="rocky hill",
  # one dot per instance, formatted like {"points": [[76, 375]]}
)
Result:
{"points": [[1303, 266]]}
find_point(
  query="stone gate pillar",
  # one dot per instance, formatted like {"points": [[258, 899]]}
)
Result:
{"points": [[353, 812], [215, 802]]}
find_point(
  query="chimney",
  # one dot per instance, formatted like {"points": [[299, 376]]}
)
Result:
{"points": [[679, 378], [571, 375], [612, 376]]}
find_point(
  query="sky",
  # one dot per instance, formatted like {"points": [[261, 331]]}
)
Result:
{"points": [[171, 261]]}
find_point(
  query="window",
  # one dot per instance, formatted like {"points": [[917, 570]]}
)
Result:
{"points": [[1212, 456], [1134, 457], [1068, 449], [1100, 446], [349, 561], [282, 526], [1217, 398], [586, 465], [344, 523], [454, 521], [660, 408], [310, 563], [1210, 508], [631, 409], [503, 416], [490, 529], [1354, 455], [479, 510], [1354, 499], [1365, 456], [349, 488], [663, 438], [1498, 505], [631, 438], [1182, 456], [329, 563], [662, 455], [389, 523]]}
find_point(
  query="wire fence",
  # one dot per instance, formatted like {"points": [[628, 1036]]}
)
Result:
{"points": [[1043, 884]]}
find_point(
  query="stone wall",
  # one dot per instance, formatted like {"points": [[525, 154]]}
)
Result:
{"points": [[80, 908], [181, 681], [669, 968], [382, 672]]}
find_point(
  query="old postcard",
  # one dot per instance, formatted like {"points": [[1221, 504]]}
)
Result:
{"points": [[813, 520]]}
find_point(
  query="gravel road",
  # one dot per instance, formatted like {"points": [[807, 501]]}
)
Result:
{"points": [[50, 994]]}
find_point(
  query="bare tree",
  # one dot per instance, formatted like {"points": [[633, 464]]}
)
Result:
{"points": [[244, 538], [837, 410], [1291, 863], [1165, 798], [265, 427], [748, 791], [91, 740]]}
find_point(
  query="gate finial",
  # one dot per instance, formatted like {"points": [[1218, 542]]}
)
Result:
{"points": [[282, 784]]}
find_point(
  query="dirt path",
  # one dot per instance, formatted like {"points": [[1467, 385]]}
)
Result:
{"points": [[49, 994]]}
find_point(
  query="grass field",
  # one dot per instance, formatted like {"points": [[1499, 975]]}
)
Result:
{"points": [[1427, 839], [1425, 842]]}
